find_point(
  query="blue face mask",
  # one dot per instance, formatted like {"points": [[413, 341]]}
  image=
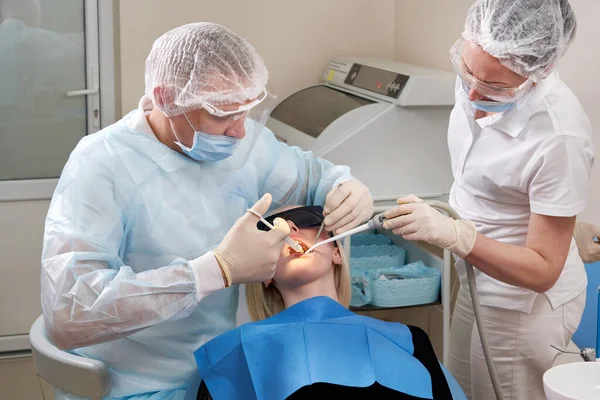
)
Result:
{"points": [[207, 147], [492, 106], [488, 106]]}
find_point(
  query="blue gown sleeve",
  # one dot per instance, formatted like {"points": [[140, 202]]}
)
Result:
{"points": [[89, 295], [294, 176]]}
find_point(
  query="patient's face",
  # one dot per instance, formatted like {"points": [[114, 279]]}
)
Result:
{"points": [[294, 269]]}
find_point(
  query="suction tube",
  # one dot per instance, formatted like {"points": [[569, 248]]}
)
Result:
{"points": [[475, 299]]}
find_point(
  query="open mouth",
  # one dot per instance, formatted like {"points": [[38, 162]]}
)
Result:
{"points": [[304, 246]]}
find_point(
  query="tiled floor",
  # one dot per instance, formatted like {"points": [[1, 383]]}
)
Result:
{"points": [[18, 381]]}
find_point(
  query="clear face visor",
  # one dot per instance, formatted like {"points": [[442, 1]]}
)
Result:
{"points": [[256, 114], [496, 93], [253, 116], [237, 113]]}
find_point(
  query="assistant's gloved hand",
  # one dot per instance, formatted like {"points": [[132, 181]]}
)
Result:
{"points": [[248, 254], [589, 249], [415, 220], [347, 206]]}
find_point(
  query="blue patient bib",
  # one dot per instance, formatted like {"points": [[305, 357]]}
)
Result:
{"points": [[316, 340]]}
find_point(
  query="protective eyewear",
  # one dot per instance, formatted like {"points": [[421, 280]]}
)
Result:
{"points": [[237, 113], [496, 93], [302, 217]]}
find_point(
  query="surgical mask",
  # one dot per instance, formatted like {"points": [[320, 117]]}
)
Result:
{"points": [[492, 106], [207, 147], [489, 106]]}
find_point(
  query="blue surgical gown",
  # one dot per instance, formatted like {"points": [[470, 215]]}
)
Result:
{"points": [[127, 215]]}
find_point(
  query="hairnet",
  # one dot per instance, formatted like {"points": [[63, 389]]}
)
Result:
{"points": [[203, 63], [527, 36]]}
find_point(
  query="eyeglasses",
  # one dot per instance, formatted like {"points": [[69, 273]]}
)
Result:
{"points": [[302, 217], [237, 113], [501, 94]]}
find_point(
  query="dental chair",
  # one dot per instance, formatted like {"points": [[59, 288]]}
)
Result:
{"points": [[68, 372]]}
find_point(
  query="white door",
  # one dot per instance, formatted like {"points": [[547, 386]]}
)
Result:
{"points": [[50, 97]]}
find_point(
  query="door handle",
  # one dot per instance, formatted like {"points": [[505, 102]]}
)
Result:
{"points": [[93, 91], [84, 92], [94, 84]]}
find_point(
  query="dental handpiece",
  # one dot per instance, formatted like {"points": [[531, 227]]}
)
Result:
{"points": [[374, 223], [288, 240]]}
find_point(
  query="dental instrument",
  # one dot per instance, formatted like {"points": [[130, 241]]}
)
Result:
{"points": [[320, 231], [288, 240], [374, 223]]}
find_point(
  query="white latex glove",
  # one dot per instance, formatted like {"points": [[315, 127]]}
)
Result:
{"points": [[248, 254], [589, 249], [347, 206], [415, 220]]}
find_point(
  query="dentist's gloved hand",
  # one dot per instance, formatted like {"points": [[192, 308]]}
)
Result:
{"points": [[347, 206], [248, 254], [415, 220], [589, 249]]}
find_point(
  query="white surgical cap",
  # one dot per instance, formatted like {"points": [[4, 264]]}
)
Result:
{"points": [[203, 63], [527, 36]]}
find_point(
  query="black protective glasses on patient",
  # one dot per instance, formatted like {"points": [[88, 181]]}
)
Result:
{"points": [[302, 217]]}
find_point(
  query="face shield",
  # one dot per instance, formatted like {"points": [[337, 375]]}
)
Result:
{"points": [[492, 92], [236, 113], [253, 115]]}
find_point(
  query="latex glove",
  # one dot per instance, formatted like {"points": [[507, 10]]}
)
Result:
{"points": [[415, 220], [248, 254], [347, 206], [589, 249]]}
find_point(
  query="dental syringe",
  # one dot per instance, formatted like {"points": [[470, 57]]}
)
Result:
{"points": [[374, 223], [288, 240]]}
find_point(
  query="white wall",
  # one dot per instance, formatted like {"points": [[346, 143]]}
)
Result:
{"points": [[426, 29], [296, 38]]}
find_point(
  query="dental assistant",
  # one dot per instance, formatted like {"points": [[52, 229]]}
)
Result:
{"points": [[521, 155], [147, 235]]}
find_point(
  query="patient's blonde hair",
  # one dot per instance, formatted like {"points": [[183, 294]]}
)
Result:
{"points": [[264, 302]]}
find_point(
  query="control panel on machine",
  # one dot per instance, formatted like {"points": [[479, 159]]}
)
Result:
{"points": [[376, 80], [390, 81]]}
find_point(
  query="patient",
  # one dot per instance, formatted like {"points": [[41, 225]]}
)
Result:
{"points": [[306, 343]]}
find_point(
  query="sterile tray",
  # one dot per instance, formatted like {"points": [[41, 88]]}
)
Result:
{"points": [[379, 296]]}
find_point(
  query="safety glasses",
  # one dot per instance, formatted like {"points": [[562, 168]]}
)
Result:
{"points": [[496, 93], [238, 112], [302, 217]]}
